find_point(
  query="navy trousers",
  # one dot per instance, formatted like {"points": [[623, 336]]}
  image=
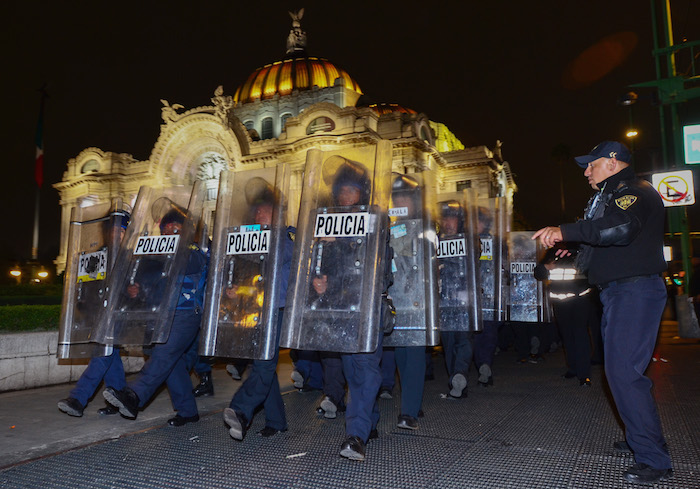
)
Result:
{"points": [[631, 317], [485, 343], [308, 364], [108, 368], [171, 362], [573, 316], [364, 377], [262, 388], [333, 378], [457, 346], [410, 360], [388, 368]]}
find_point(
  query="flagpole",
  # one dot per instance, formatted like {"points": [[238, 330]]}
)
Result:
{"points": [[38, 172]]}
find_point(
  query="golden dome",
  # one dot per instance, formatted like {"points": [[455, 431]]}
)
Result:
{"points": [[292, 74]]}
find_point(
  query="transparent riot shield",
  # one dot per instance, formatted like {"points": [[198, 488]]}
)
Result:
{"points": [[242, 299], [338, 268], [145, 287], [491, 230], [458, 260], [413, 239], [529, 301], [93, 240]]}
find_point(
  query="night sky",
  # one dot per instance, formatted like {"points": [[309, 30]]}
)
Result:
{"points": [[543, 77]]}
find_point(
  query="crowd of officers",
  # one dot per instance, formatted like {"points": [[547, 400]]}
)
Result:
{"points": [[376, 275]]}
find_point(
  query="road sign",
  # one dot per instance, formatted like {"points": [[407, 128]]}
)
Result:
{"points": [[691, 143], [675, 187]]}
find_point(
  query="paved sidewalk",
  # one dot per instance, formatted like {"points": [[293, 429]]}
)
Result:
{"points": [[532, 429]]}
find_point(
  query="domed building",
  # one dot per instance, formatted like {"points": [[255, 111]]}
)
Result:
{"points": [[281, 110]]}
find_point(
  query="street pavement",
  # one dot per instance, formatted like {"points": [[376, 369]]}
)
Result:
{"points": [[531, 429]]}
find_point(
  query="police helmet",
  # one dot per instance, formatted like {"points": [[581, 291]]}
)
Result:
{"points": [[404, 183], [408, 187], [258, 191], [485, 219], [451, 208], [344, 173], [176, 214]]}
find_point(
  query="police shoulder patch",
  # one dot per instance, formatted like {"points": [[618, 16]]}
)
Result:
{"points": [[626, 201], [291, 235]]}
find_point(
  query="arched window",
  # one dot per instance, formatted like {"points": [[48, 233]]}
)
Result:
{"points": [[266, 128], [249, 125], [90, 166], [425, 135], [283, 120]]}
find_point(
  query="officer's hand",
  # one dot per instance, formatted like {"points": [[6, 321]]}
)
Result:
{"points": [[548, 236], [320, 284], [133, 290], [562, 253]]}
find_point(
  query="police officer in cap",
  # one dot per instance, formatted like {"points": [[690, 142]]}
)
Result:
{"points": [[622, 253]]}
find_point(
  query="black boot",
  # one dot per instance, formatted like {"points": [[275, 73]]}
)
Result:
{"points": [[205, 387]]}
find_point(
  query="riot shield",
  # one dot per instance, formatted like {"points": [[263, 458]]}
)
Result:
{"points": [[242, 298], [458, 259], [491, 225], [144, 289], [338, 268], [93, 240], [529, 301], [413, 239]]}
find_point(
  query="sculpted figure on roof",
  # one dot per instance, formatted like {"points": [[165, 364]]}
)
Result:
{"points": [[296, 41]]}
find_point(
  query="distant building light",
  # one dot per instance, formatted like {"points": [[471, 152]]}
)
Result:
{"points": [[632, 133], [668, 253], [43, 274], [15, 273]]}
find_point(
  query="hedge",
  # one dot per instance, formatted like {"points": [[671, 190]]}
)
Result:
{"points": [[31, 290], [15, 319]]}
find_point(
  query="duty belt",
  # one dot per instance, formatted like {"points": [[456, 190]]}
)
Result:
{"points": [[627, 280]]}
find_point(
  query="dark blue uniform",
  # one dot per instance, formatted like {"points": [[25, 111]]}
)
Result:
{"points": [[171, 362], [624, 232]]}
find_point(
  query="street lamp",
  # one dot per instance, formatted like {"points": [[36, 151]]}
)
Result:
{"points": [[628, 100], [17, 274]]}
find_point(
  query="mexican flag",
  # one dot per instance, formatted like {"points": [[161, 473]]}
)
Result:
{"points": [[39, 162]]}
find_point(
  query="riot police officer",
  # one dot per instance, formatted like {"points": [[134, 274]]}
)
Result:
{"points": [[109, 367], [362, 370], [261, 388], [340, 273], [412, 269], [170, 362], [456, 344]]}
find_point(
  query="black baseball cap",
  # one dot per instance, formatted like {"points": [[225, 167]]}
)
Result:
{"points": [[606, 149]]}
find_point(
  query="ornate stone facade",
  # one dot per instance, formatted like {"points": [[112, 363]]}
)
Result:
{"points": [[198, 143]]}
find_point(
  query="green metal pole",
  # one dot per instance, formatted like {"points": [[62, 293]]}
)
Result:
{"points": [[680, 216]]}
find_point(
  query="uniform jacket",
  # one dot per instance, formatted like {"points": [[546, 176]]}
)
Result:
{"points": [[626, 239]]}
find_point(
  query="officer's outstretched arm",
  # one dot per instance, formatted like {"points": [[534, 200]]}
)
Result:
{"points": [[619, 226]]}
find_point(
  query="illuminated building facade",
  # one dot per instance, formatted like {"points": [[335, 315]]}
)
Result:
{"points": [[280, 112]]}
